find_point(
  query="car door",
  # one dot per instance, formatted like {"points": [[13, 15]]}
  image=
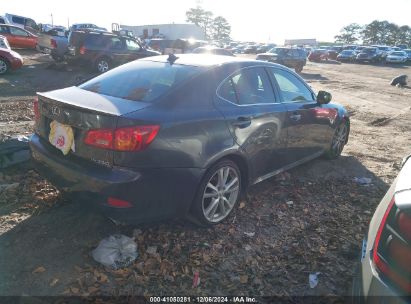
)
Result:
{"points": [[134, 50], [21, 38], [118, 50], [307, 122], [255, 118]]}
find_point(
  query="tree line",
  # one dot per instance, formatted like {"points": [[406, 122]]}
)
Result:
{"points": [[376, 32], [216, 28]]}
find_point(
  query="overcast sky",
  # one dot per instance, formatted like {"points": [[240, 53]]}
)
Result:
{"points": [[253, 20]]}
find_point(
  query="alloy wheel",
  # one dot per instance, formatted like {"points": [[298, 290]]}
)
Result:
{"points": [[102, 66], [220, 194], [3, 67], [340, 137]]}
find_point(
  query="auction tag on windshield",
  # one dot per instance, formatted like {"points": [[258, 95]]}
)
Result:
{"points": [[62, 137]]}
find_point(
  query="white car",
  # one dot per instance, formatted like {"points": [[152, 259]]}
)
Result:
{"points": [[397, 57]]}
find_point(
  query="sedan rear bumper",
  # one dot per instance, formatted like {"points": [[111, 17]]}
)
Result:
{"points": [[154, 194]]}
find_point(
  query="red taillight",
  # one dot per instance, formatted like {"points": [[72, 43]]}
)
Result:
{"points": [[122, 139], [100, 138], [401, 254], [82, 50], [118, 203], [36, 110], [396, 252], [53, 43], [404, 224]]}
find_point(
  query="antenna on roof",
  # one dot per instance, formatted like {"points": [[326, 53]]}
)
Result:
{"points": [[172, 58]]}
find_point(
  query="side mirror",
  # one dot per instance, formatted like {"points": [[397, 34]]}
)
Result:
{"points": [[323, 97]]}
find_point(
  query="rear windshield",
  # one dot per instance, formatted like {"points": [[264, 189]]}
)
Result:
{"points": [[141, 80]]}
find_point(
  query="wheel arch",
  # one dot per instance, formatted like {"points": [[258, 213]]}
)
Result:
{"points": [[240, 161]]}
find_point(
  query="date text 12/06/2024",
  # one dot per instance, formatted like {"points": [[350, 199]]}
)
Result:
{"points": [[239, 299]]}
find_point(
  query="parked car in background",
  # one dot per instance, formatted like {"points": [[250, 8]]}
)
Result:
{"points": [[23, 22], [54, 42], [18, 37], [235, 123], [9, 60], [332, 54], [382, 50], [250, 49], [212, 50], [290, 57], [408, 52], [84, 26], [3, 20], [103, 50], [318, 55], [178, 46], [346, 56], [395, 48], [385, 269], [368, 54], [358, 49], [4, 44], [397, 57], [402, 46]]}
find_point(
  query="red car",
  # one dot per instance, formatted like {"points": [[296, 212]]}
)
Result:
{"points": [[318, 55], [9, 60], [18, 37]]}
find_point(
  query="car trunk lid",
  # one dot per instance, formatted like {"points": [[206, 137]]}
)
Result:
{"points": [[82, 110]]}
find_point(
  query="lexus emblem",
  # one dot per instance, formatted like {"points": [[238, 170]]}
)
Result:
{"points": [[55, 111]]}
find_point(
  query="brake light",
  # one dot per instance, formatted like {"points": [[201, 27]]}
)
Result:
{"points": [[82, 50], [122, 139], [404, 224], [36, 109], [390, 255], [118, 203], [53, 43]]}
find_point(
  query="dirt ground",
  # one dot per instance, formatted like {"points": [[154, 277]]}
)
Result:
{"points": [[310, 219]]}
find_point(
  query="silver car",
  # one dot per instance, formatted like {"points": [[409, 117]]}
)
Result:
{"points": [[385, 268]]}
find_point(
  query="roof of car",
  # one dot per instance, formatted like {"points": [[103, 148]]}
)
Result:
{"points": [[202, 59]]}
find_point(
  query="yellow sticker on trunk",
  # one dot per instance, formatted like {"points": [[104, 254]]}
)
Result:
{"points": [[62, 137]]}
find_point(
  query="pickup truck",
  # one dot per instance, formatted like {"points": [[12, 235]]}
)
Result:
{"points": [[53, 42]]}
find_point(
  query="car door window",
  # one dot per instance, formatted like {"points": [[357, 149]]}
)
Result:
{"points": [[116, 43], [18, 32], [247, 87], [4, 30], [292, 89], [132, 45]]}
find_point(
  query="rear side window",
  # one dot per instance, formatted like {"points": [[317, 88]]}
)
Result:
{"points": [[2, 21], [18, 20], [18, 32], [4, 30], [247, 87], [141, 80], [96, 40]]}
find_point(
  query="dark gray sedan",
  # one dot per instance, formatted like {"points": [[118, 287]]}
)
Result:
{"points": [[174, 136]]}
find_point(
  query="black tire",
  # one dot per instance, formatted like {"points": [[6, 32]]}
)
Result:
{"points": [[102, 65], [299, 68], [338, 140], [4, 66], [201, 203]]}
